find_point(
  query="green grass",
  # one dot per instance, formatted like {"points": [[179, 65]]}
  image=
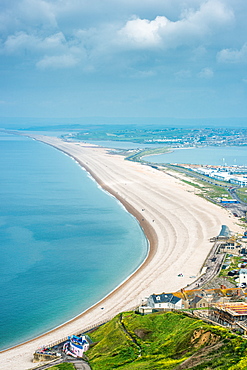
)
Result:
{"points": [[234, 261], [139, 156], [207, 190], [242, 194], [63, 366], [164, 341]]}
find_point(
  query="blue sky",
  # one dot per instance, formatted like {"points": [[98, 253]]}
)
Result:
{"points": [[124, 58]]}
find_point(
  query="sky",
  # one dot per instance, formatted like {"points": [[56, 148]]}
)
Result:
{"points": [[124, 58]]}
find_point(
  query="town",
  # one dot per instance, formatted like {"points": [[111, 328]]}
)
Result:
{"points": [[170, 136]]}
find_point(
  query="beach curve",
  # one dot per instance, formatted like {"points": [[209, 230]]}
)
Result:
{"points": [[177, 224]]}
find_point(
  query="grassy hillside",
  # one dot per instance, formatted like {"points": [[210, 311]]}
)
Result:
{"points": [[165, 341]]}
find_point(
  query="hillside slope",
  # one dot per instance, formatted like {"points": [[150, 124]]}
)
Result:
{"points": [[165, 341]]}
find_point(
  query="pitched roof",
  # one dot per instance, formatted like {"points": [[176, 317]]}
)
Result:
{"points": [[165, 298], [196, 299]]}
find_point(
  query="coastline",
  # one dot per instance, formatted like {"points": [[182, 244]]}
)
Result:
{"points": [[147, 229], [22, 351]]}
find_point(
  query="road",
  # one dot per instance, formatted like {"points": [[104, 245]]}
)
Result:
{"points": [[212, 266], [78, 363]]}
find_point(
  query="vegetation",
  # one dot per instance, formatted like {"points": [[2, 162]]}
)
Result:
{"points": [[234, 261], [63, 366], [169, 340], [242, 194], [155, 133], [145, 134], [140, 154], [209, 188]]}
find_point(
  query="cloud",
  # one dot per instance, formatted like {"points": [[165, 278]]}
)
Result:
{"points": [[192, 26], [183, 74], [22, 41], [60, 61], [144, 74], [36, 12], [206, 73], [233, 55], [63, 32], [55, 51], [142, 32]]}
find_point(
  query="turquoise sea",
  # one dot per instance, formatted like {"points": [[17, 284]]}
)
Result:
{"points": [[64, 243]]}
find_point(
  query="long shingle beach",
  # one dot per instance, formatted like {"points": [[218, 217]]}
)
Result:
{"points": [[177, 223]]}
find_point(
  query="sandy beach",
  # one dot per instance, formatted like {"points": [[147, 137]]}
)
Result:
{"points": [[177, 223]]}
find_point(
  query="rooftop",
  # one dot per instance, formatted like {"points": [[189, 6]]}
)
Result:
{"points": [[234, 309]]}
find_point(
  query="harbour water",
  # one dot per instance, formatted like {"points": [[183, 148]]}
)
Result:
{"points": [[63, 241], [232, 155]]}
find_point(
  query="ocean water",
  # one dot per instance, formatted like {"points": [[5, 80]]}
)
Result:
{"points": [[64, 243], [232, 155]]}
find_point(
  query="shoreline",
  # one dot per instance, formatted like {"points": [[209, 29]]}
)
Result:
{"points": [[176, 223], [147, 229]]}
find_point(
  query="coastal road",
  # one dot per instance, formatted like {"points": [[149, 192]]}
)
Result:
{"points": [[78, 364], [212, 267]]}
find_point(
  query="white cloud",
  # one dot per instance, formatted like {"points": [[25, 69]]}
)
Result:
{"points": [[23, 41], [36, 12], [18, 42], [233, 55], [57, 52], [46, 28], [183, 74], [193, 25], [60, 61], [206, 73], [142, 32], [144, 74]]}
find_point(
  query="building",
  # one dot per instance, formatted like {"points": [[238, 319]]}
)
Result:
{"points": [[76, 346], [224, 233], [239, 180], [229, 314], [164, 301], [243, 277], [199, 302], [222, 176], [145, 310], [230, 247]]}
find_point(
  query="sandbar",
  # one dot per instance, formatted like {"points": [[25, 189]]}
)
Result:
{"points": [[177, 223]]}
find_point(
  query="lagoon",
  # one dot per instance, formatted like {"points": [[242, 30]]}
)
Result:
{"points": [[231, 155]]}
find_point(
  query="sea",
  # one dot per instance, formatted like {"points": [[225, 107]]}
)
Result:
{"points": [[64, 242]]}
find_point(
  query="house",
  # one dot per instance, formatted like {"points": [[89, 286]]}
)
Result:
{"points": [[199, 302], [76, 346], [230, 247], [229, 313], [164, 301], [243, 277], [145, 310]]}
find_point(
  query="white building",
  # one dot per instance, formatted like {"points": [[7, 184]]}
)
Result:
{"points": [[165, 301], [76, 346], [242, 276]]}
